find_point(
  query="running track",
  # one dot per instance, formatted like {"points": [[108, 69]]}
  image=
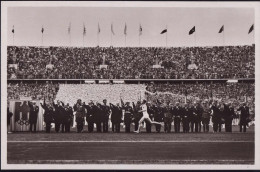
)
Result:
{"points": [[111, 148]]}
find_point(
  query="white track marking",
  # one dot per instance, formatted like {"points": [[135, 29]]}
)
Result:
{"points": [[133, 161], [128, 141]]}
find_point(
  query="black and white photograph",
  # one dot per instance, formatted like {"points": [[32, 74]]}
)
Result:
{"points": [[129, 85]]}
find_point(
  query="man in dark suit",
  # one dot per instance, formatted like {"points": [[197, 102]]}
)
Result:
{"points": [[116, 117], [67, 118], [150, 111], [64, 116], [216, 117], [71, 116], [48, 116], [90, 116], [106, 111], [228, 114], [244, 116], [97, 116], [186, 114], [137, 115], [128, 117], [205, 116], [34, 110], [197, 116], [57, 115], [9, 116], [177, 112], [167, 117], [158, 116], [80, 113]]}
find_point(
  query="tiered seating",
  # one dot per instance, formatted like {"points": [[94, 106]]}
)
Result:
{"points": [[132, 63]]}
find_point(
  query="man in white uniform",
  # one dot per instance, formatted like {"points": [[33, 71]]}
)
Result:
{"points": [[145, 116]]}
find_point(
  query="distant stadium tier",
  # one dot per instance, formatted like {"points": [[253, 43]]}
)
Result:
{"points": [[229, 62]]}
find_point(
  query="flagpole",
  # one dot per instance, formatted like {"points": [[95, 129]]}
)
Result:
{"points": [[139, 38], [111, 37], [253, 37], [98, 38], [13, 39], [166, 35], [83, 40], [69, 34], [224, 37], [139, 34], [125, 40], [195, 39], [70, 39], [42, 38]]}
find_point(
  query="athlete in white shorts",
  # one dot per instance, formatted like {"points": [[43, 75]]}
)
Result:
{"points": [[145, 116]]}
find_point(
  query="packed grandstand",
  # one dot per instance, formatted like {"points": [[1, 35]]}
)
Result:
{"points": [[189, 74], [223, 62]]}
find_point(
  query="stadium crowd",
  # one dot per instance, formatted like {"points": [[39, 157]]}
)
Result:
{"points": [[131, 63], [225, 92], [32, 90], [221, 105]]}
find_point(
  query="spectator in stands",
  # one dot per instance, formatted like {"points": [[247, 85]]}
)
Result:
{"points": [[131, 63]]}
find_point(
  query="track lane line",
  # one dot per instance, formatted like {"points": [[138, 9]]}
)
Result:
{"points": [[126, 141]]}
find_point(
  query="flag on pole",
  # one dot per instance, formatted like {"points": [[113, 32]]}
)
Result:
{"points": [[98, 28], [112, 30], [42, 29], [13, 29], [125, 30], [140, 30], [251, 29], [221, 29], [192, 30], [69, 28], [164, 31], [84, 29]]}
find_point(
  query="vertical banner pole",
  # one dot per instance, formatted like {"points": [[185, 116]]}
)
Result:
{"points": [[98, 39], [13, 39], [83, 41], [195, 39], [253, 36], [166, 35], [111, 38], [42, 39], [223, 37], [139, 39], [70, 39]]}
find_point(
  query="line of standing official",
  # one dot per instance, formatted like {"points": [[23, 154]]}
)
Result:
{"points": [[193, 117]]}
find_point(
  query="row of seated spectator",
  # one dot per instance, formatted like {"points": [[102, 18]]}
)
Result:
{"points": [[131, 62]]}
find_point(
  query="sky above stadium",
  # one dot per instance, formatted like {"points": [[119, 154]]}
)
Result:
{"points": [[28, 22]]}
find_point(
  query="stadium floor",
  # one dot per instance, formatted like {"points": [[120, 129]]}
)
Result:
{"points": [[131, 148]]}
